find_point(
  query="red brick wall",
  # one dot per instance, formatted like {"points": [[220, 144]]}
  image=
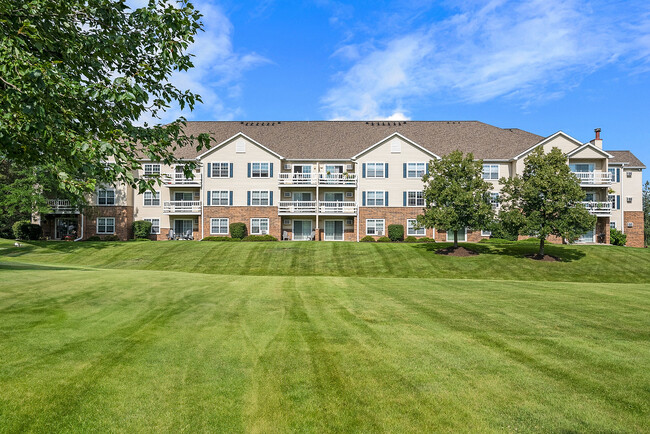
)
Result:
{"points": [[635, 233], [602, 227], [123, 220], [243, 214]]}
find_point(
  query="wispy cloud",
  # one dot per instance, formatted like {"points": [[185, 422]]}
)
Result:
{"points": [[527, 51]]}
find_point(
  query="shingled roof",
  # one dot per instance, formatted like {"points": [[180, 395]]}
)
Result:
{"points": [[344, 139], [625, 157]]}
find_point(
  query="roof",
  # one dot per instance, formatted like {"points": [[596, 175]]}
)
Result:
{"points": [[331, 140], [625, 157]]}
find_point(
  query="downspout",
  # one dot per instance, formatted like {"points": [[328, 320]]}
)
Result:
{"points": [[356, 197], [621, 201], [202, 196], [82, 228], [317, 200]]}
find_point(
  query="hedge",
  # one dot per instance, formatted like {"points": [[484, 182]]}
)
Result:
{"points": [[259, 238], [238, 230], [26, 230], [211, 238], [617, 237], [367, 239], [410, 239], [396, 232], [384, 240], [141, 229]]}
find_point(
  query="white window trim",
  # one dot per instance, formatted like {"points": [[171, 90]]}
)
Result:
{"points": [[260, 163], [375, 226], [227, 163], [144, 169], [105, 218], [106, 189], [612, 225], [259, 225], [157, 196], [452, 237], [408, 228], [416, 199], [212, 192], [424, 171], [268, 197], [485, 233], [383, 170], [173, 196], [227, 226], [383, 198], [149, 219], [491, 165]]}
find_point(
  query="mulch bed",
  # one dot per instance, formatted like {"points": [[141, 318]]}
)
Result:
{"points": [[545, 258], [458, 251]]}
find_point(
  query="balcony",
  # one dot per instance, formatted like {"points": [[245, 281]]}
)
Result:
{"points": [[179, 179], [182, 207], [62, 206], [323, 179], [310, 207], [594, 178], [601, 209]]}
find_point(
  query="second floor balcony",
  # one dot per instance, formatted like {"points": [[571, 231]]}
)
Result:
{"points": [[602, 209], [296, 207], [179, 179], [62, 206], [594, 178], [322, 179], [186, 207]]}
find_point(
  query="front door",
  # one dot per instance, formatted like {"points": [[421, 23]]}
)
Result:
{"points": [[302, 230], [65, 227], [333, 230]]}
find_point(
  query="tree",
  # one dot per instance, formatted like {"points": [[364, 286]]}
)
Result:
{"points": [[548, 198], [456, 195], [75, 77], [646, 212]]}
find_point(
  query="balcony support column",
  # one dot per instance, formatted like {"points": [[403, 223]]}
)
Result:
{"points": [[317, 229]]}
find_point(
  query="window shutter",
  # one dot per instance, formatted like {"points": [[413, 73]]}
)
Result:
{"points": [[386, 196], [386, 170], [271, 197], [249, 170], [363, 200], [363, 173], [230, 200], [248, 194], [618, 201], [404, 170], [427, 167], [209, 170], [618, 175], [404, 198], [231, 170], [209, 203], [271, 170]]}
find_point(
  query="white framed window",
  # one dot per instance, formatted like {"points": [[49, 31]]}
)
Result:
{"points": [[415, 198], [612, 225], [155, 225], [485, 233], [151, 199], [219, 226], [151, 169], [415, 170], [490, 171], [375, 170], [106, 225], [375, 226], [375, 198], [259, 226], [411, 231], [462, 236], [494, 200], [220, 198], [612, 173], [220, 170], [260, 170], [105, 196], [260, 198]]}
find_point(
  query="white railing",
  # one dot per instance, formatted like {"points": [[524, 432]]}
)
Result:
{"points": [[179, 179], [297, 207], [337, 179], [598, 207], [62, 206], [337, 207], [297, 179], [594, 178], [182, 207]]}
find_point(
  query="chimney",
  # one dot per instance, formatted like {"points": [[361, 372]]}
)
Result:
{"points": [[597, 142]]}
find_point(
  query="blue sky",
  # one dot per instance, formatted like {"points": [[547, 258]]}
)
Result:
{"points": [[541, 66]]}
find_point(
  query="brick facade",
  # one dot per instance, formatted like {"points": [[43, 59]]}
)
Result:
{"points": [[123, 220], [635, 233], [243, 214]]}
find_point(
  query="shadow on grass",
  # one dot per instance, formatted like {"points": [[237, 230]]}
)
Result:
{"points": [[519, 249], [55, 246], [21, 266]]}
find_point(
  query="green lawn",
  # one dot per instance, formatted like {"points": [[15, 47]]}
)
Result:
{"points": [[183, 336]]}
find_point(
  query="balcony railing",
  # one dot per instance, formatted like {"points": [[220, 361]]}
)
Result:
{"points": [[334, 179], [179, 179], [594, 178], [337, 207], [62, 206], [297, 179], [297, 207], [324, 207], [598, 208], [337, 179], [182, 207]]}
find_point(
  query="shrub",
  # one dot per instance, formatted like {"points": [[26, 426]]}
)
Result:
{"points": [[259, 238], [426, 240], [617, 237], [367, 239], [211, 238], [26, 230], [503, 230], [141, 229], [410, 239], [111, 238], [396, 232], [93, 238], [238, 230], [384, 240]]}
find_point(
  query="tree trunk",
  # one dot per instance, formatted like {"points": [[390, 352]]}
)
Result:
{"points": [[455, 239], [541, 248]]}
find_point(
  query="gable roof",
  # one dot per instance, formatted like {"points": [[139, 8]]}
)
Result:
{"points": [[330, 140], [548, 139], [592, 147], [385, 139], [230, 139], [625, 157]]}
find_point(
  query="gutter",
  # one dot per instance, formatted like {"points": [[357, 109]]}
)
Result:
{"points": [[82, 229]]}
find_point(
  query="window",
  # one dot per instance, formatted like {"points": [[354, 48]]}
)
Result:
{"points": [[461, 235], [155, 225], [375, 198], [410, 228], [220, 198], [259, 170], [628, 174], [151, 199], [582, 167], [494, 200], [375, 170], [612, 173], [260, 197], [106, 225], [105, 196], [220, 170], [219, 226], [485, 233], [490, 171], [414, 198], [375, 227], [259, 226], [151, 169], [415, 170], [612, 225], [333, 168]]}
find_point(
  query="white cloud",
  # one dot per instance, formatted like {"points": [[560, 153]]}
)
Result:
{"points": [[528, 51]]}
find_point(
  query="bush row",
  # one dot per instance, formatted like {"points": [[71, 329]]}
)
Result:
{"points": [[104, 238], [26, 230], [409, 239]]}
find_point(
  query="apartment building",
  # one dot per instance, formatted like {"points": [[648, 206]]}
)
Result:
{"points": [[341, 181]]}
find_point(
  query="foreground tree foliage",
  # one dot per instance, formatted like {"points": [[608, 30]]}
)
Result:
{"points": [[546, 199], [76, 75], [456, 195]]}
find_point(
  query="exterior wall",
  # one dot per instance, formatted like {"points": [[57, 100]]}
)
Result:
{"points": [[243, 214], [392, 216], [627, 187], [635, 233], [472, 236], [123, 221]]}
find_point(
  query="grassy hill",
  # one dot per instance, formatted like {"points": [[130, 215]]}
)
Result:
{"points": [[322, 337]]}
